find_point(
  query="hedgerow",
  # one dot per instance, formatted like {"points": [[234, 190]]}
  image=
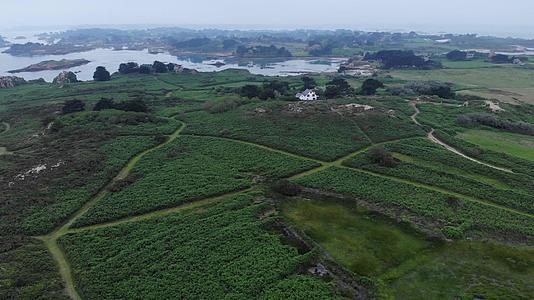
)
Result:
{"points": [[191, 168], [450, 182], [219, 252]]}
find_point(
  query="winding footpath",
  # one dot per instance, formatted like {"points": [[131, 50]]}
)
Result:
{"points": [[3, 150], [434, 139], [51, 239], [7, 127]]}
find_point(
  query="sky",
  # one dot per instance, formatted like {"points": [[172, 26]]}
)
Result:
{"points": [[510, 17]]}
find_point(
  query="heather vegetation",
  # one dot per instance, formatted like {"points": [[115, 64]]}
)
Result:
{"points": [[160, 182]]}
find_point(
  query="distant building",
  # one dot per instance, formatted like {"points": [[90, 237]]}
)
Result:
{"points": [[307, 95], [470, 55]]}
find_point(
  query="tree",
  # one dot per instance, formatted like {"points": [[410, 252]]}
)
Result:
{"points": [[72, 106], [104, 103], [338, 87], [250, 91], [128, 68], [101, 74], [145, 69], [332, 91], [309, 82], [159, 67], [456, 55], [380, 156], [370, 86]]}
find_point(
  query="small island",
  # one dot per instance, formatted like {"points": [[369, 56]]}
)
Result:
{"points": [[52, 65]]}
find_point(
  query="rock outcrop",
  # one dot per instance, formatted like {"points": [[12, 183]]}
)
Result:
{"points": [[10, 81], [65, 77]]}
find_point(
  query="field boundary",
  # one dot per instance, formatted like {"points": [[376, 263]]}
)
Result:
{"points": [[51, 240]]}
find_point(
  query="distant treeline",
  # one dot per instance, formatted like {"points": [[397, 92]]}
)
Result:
{"points": [[262, 51], [402, 59]]}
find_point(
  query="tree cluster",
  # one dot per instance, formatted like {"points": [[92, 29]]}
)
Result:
{"points": [[262, 51], [156, 67], [429, 88], [101, 74], [72, 106], [382, 157], [369, 86], [337, 88], [399, 59], [476, 119], [318, 48], [268, 90]]}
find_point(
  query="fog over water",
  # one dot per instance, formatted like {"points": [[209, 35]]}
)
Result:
{"points": [[509, 18]]}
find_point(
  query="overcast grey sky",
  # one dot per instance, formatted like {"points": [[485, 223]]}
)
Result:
{"points": [[486, 16]]}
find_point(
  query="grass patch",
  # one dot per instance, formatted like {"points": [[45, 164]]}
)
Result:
{"points": [[422, 204], [518, 145], [364, 242]]}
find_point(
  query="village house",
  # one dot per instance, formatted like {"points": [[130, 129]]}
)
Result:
{"points": [[307, 95]]}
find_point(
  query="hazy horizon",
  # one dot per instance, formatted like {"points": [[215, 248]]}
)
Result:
{"points": [[453, 16]]}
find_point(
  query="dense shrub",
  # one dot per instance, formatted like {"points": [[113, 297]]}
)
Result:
{"points": [[338, 87], [475, 119], [101, 74], [136, 105], [369, 86], [430, 88], [286, 188], [72, 106], [382, 157], [128, 68]]}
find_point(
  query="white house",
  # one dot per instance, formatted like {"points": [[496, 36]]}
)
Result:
{"points": [[307, 95]]}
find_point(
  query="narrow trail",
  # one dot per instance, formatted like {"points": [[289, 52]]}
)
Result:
{"points": [[443, 191], [51, 240], [3, 150], [158, 213], [435, 140], [7, 127]]}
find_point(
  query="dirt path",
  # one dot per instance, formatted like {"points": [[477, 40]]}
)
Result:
{"points": [[7, 127], [3, 150], [51, 240], [434, 139]]}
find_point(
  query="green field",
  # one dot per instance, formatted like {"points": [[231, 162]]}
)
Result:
{"points": [[191, 168], [364, 242], [518, 145], [424, 202], [185, 199], [403, 263], [506, 83], [219, 252]]}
